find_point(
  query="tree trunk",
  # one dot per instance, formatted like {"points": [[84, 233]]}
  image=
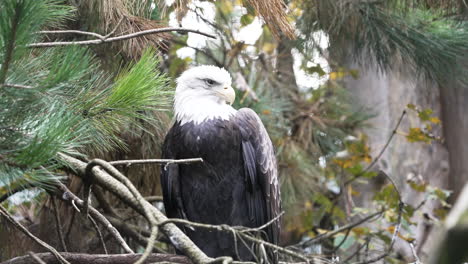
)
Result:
{"points": [[387, 95]]}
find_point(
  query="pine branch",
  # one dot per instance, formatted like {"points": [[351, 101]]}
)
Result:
{"points": [[10, 45], [102, 39]]}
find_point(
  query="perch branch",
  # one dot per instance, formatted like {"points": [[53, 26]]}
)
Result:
{"points": [[157, 161], [175, 235], [119, 176], [102, 39], [81, 258]]}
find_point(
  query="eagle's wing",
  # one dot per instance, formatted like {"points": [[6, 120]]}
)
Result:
{"points": [[170, 180], [260, 168]]}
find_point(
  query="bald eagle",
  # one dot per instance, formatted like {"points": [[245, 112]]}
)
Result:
{"points": [[237, 184]]}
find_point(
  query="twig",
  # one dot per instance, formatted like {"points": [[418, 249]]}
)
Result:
{"points": [[357, 251], [89, 177], [69, 197], [103, 203], [115, 28], [98, 231], [102, 39], [413, 250], [70, 225], [147, 213], [23, 229], [338, 230], [157, 161], [401, 204], [241, 231], [35, 257], [133, 232], [79, 32], [22, 86], [58, 224], [381, 151]]}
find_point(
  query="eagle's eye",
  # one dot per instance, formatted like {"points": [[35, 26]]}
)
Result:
{"points": [[209, 81]]}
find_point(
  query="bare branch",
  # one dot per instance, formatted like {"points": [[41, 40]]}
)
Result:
{"points": [[22, 86], [146, 209], [115, 28], [23, 229], [79, 32], [58, 224], [102, 39], [68, 196], [338, 230], [134, 232], [98, 231], [157, 161], [401, 204], [80, 258], [377, 158], [36, 258], [176, 236], [241, 231]]}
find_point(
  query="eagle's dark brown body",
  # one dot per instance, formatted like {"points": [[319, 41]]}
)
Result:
{"points": [[235, 185]]}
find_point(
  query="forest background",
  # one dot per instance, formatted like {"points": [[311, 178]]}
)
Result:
{"points": [[366, 103]]}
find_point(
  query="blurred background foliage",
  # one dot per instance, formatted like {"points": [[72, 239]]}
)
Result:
{"points": [[287, 61]]}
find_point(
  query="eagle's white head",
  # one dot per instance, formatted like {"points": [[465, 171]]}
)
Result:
{"points": [[204, 93]]}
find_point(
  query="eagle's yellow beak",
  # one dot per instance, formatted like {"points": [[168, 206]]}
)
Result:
{"points": [[228, 94]]}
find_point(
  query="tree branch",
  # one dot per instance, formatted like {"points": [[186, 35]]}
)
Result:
{"points": [[175, 235], [36, 258], [381, 151], [58, 224], [340, 229], [80, 258], [102, 39], [68, 196], [157, 161], [22, 86]]}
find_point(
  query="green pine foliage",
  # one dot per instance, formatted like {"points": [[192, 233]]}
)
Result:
{"points": [[395, 35], [63, 102]]}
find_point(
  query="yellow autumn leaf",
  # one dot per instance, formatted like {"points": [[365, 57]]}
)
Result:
{"points": [[337, 75], [434, 120]]}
